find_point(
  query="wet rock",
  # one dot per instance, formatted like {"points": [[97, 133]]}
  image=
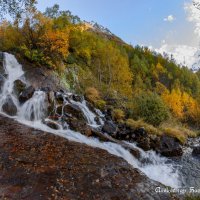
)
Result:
{"points": [[26, 94], [80, 126], [2, 80], [51, 124], [9, 107], [19, 87], [140, 136], [135, 153], [97, 120], [74, 111], [59, 110], [45, 89], [154, 141], [45, 166], [59, 98], [196, 151], [170, 147], [124, 132], [77, 98], [2, 71], [110, 128], [51, 96]]}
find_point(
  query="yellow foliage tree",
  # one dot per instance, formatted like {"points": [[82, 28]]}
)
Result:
{"points": [[182, 105]]}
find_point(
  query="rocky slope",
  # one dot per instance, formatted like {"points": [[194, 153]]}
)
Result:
{"points": [[38, 165]]}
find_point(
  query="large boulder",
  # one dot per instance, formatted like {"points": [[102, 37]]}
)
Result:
{"points": [[26, 94], [9, 107], [170, 147], [196, 151], [74, 111], [19, 87], [80, 126]]}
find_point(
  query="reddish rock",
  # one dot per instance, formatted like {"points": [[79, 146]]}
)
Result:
{"points": [[35, 165]]}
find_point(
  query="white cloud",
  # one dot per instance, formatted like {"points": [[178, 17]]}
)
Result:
{"points": [[193, 11], [183, 54], [169, 18]]}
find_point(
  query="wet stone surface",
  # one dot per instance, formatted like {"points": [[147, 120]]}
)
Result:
{"points": [[35, 165]]}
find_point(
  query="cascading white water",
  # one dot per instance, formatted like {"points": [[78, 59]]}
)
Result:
{"points": [[34, 109], [14, 72], [88, 114]]}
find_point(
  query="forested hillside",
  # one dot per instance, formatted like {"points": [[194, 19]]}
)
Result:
{"points": [[133, 82]]}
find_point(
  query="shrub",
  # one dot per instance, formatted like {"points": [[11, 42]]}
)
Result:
{"points": [[100, 104], [118, 114], [92, 94], [139, 124], [151, 108]]}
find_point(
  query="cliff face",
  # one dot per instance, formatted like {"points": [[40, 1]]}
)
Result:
{"points": [[39, 165]]}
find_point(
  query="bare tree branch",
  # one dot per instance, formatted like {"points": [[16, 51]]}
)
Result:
{"points": [[15, 7]]}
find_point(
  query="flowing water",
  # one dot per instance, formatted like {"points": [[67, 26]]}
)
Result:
{"points": [[33, 112]]}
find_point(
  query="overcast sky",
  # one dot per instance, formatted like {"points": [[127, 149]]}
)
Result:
{"points": [[165, 25]]}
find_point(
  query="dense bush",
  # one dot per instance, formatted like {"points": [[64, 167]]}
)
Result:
{"points": [[150, 107]]}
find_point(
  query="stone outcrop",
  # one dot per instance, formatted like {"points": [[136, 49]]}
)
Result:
{"points": [[9, 107], [26, 94]]}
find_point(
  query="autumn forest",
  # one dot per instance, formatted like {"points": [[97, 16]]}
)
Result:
{"points": [[137, 84]]}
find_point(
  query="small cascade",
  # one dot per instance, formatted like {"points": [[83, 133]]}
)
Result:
{"points": [[157, 167], [33, 113], [88, 114], [34, 109]]}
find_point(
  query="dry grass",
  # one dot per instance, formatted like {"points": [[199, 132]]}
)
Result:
{"points": [[176, 133], [92, 94], [138, 124], [118, 114], [178, 130]]}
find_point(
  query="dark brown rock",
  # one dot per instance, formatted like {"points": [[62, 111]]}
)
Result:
{"points": [[110, 128], [26, 94], [51, 124], [80, 126], [2, 80], [38, 165], [78, 98], [2, 71], [170, 147], [19, 87], [74, 111], [196, 151], [9, 107]]}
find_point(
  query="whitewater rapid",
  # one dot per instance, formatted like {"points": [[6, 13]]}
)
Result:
{"points": [[33, 112]]}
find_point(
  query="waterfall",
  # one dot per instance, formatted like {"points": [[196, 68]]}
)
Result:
{"points": [[32, 113], [14, 71]]}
